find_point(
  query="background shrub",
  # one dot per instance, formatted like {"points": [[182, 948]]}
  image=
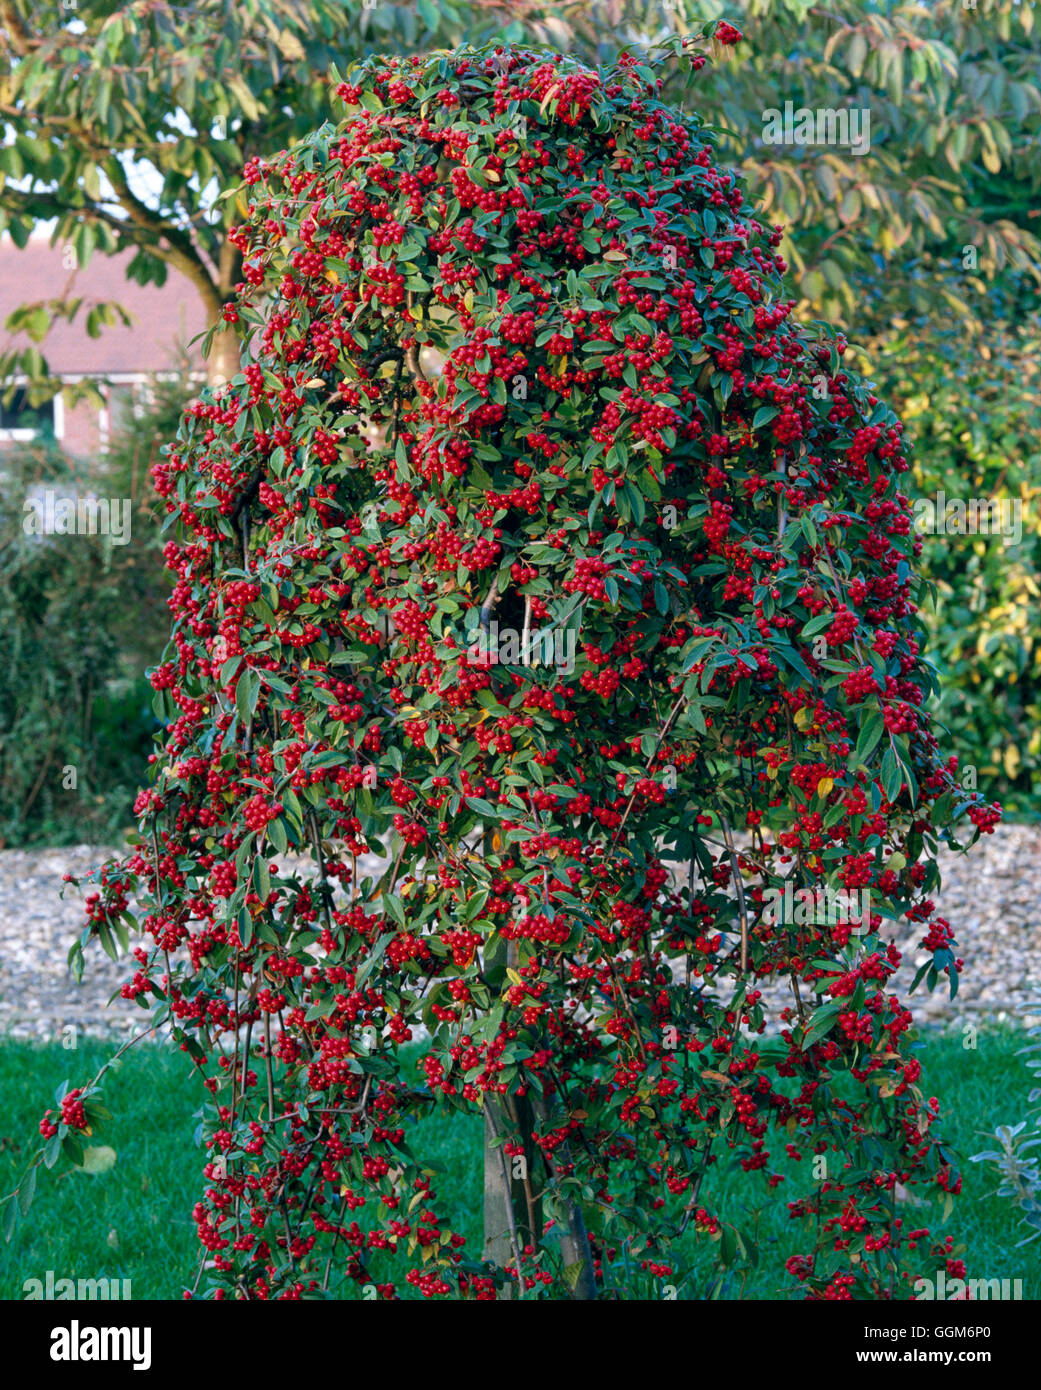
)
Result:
{"points": [[973, 407], [80, 621]]}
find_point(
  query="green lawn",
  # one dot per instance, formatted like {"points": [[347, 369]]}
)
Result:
{"points": [[134, 1221]]}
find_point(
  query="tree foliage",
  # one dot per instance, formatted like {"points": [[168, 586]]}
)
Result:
{"points": [[124, 123], [954, 97], [973, 407]]}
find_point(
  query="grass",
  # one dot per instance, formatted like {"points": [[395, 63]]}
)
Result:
{"points": [[134, 1221]]}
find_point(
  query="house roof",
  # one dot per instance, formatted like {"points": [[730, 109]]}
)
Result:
{"points": [[163, 318]]}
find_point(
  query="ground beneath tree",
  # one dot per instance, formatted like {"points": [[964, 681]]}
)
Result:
{"points": [[989, 896]]}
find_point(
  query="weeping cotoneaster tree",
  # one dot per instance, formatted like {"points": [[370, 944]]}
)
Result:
{"points": [[538, 551]]}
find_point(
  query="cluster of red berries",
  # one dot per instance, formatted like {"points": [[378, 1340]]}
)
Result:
{"points": [[73, 1114]]}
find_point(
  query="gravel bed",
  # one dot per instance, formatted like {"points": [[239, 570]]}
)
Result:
{"points": [[988, 895]]}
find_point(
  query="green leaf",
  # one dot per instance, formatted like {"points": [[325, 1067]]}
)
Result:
{"points": [[37, 323], [393, 907], [261, 878], [276, 833], [27, 1189], [820, 1023], [870, 733], [373, 958], [892, 775], [244, 923]]}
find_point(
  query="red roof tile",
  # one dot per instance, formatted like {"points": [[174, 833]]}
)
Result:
{"points": [[164, 318]]}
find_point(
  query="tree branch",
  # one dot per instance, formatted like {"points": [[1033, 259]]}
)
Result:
{"points": [[18, 36]]}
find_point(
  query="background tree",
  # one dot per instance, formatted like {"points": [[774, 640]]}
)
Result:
{"points": [[124, 122], [974, 406], [954, 96]]}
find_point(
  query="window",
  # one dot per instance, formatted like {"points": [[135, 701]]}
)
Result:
{"points": [[20, 420]]}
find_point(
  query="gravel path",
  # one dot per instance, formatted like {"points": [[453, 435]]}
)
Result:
{"points": [[988, 895]]}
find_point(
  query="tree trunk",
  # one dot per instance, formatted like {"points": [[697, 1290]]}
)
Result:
{"points": [[506, 1224], [224, 359], [575, 1254], [513, 1214], [512, 1210]]}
